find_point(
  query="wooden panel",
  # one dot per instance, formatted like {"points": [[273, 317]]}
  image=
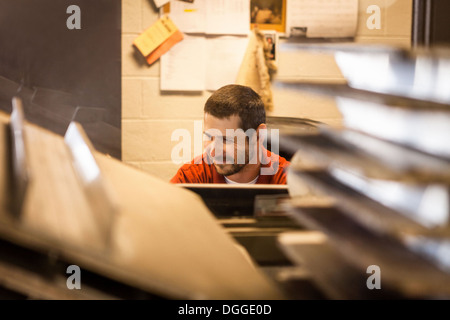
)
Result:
{"points": [[164, 239]]}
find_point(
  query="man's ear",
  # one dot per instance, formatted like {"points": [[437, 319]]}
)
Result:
{"points": [[259, 134]]}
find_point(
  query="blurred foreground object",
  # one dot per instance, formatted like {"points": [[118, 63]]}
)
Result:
{"points": [[121, 226], [387, 173]]}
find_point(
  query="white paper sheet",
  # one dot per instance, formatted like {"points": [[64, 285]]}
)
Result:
{"points": [[189, 17], [228, 17], [160, 3], [323, 18], [225, 55], [201, 61], [212, 16], [198, 63], [183, 67]]}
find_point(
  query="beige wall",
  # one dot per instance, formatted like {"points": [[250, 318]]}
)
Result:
{"points": [[149, 117]]}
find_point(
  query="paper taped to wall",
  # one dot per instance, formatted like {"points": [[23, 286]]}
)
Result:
{"points": [[225, 55], [183, 68], [212, 16], [200, 63], [328, 19]]}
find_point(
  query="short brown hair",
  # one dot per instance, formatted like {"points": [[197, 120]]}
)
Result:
{"points": [[238, 100]]}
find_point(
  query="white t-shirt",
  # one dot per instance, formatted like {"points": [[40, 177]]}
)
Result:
{"points": [[234, 182]]}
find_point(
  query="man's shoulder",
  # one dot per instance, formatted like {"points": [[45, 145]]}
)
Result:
{"points": [[198, 160], [199, 163], [277, 158], [196, 171], [275, 169]]}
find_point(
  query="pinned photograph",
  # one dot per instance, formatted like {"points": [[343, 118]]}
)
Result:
{"points": [[268, 14], [271, 42]]}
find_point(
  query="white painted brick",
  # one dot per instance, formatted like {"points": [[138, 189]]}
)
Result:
{"points": [[131, 16], [303, 105], [176, 105], [399, 18], [150, 140], [131, 98], [149, 14], [133, 63], [306, 65]]}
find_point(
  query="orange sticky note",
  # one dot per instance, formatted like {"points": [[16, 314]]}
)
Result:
{"points": [[165, 46], [155, 35]]}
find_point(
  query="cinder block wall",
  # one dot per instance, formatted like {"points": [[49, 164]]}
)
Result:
{"points": [[149, 117]]}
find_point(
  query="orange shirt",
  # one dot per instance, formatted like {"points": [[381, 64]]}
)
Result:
{"points": [[199, 171]]}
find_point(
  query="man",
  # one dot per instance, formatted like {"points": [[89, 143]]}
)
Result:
{"points": [[235, 129]]}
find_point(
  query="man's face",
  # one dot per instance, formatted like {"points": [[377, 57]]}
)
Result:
{"points": [[229, 152]]}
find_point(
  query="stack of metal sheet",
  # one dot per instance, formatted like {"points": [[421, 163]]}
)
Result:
{"points": [[387, 173], [65, 206]]}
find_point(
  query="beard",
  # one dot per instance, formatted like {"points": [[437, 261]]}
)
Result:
{"points": [[228, 169], [230, 164]]}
